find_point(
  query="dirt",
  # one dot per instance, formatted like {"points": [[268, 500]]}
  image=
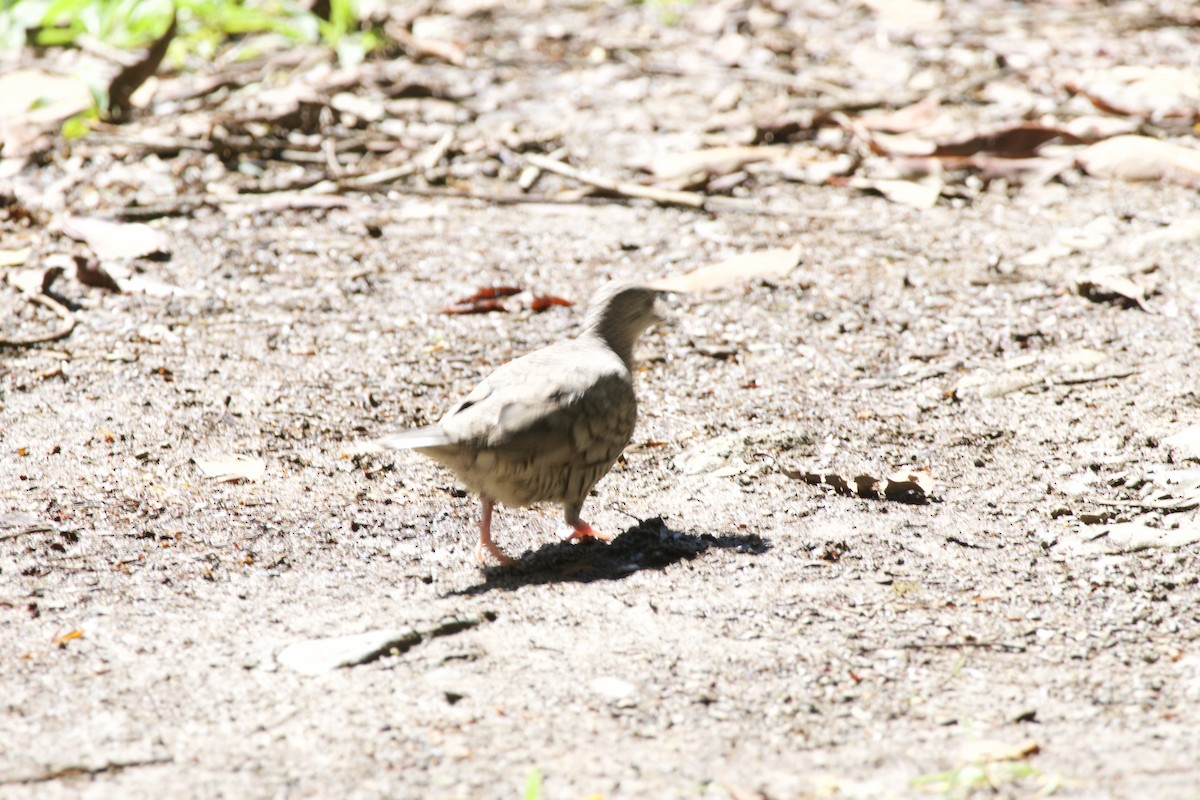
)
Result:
{"points": [[746, 634]]}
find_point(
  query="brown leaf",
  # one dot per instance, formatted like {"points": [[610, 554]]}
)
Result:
{"points": [[1140, 158], [776, 263], [477, 307], [86, 270], [483, 301], [490, 293], [903, 486], [909, 487], [1021, 141], [110, 239], [128, 80], [541, 302]]}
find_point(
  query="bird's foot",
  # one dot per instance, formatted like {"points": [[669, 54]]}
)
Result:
{"points": [[581, 530], [485, 547]]}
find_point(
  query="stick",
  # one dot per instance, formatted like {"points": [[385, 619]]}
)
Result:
{"points": [[666, 197], [58, 308]]}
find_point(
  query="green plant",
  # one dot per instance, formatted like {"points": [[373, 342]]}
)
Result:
{"points": [[533, 785]]}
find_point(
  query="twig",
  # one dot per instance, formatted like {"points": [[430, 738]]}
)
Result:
{"points": [[76, 770], [26, 531], [58, 308], [530, 175], [1076, 381], [1182, 504], [666, 197], [1002, 646]]}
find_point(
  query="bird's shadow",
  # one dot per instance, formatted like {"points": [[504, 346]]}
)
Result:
{"points": [[648, 545]]}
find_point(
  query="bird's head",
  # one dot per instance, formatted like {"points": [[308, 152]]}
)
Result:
{"points": [[619, 312]]}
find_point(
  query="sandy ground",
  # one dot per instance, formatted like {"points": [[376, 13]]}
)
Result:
{"points": [[747, 634]]}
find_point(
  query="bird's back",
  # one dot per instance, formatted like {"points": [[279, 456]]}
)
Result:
{"points": [[544, 427]]}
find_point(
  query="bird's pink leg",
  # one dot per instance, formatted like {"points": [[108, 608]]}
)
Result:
{"points": [[485, 537], [581, 530]]}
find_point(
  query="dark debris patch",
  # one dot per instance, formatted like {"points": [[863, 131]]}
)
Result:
{"points": [[650, 544]]}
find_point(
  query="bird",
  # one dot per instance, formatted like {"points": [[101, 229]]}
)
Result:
{"points": [[545, 427]]}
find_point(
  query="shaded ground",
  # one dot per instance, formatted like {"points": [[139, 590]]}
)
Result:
{"points": [[747, 634]]}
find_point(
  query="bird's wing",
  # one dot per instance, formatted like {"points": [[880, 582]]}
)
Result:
{"points": [[554, 403], [431, 436]]}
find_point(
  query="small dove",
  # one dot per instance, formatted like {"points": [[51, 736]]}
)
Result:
{"points": [[547, 426]]}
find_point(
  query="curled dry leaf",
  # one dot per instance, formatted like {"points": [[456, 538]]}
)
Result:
{"points": [[904, 486], [1140, 158], [110, 239], [1106, 286], [232, 468], [775, 263], [483, 301], [86, 270], [541, 302]]}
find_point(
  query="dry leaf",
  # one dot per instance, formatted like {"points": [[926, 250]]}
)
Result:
{"points": [[1106, 286], [903, 120], [987, 750], [232, 468], [36, 96], [1128, 537], [541, 302], [712, 161], [1186, 229], [1154, 92], [1140, 158], [1020, 141], [923, 195], [909, 486], [775, 262], [86, 270], [483, 301], [905, 486], [1185, 444], [14, 258], [110, 239]]}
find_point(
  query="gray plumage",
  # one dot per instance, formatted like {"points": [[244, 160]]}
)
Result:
{"points": [[547, 426]]}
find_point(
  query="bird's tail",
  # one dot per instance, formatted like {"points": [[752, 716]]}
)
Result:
{"points": [[432, 436]]}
